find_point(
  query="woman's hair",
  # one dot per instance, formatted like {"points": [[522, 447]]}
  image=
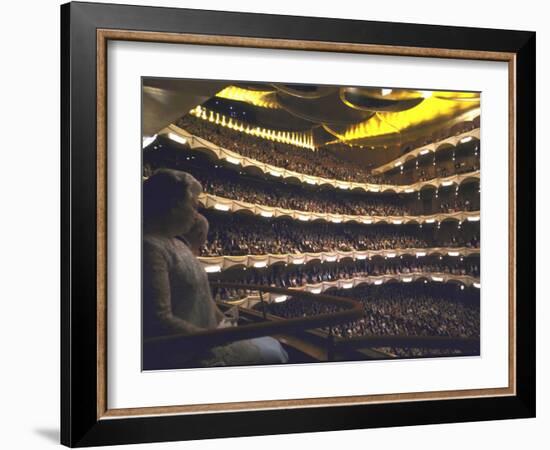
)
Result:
{"points": [[162, 191]]}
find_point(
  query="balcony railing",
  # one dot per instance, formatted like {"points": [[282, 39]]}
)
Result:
{"points": [[432, 147], [182, 137], [214, 264], [351, 310], [273, 325], [229, 205]]}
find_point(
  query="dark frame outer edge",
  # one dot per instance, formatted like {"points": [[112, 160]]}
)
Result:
{"points": [[65, 228], [525, 223], [79, 291]]}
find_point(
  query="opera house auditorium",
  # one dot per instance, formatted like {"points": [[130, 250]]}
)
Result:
{"points": [[288, 224]]}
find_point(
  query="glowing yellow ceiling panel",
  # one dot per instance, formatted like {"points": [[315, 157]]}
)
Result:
{"points": [[257, 98], [436, 106], [406, 94]]}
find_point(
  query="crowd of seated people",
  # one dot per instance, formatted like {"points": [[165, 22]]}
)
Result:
{"points": [[440, 135], [237, 234], [234, 185], [398, 309], [426, 172], [321, 162], [455, 205], [227, 183], [465, 167], [297, 277], [287, 197]]}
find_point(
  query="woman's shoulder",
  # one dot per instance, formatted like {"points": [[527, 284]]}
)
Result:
{"points": [[165, 246], [157, 245], [154, 241]]}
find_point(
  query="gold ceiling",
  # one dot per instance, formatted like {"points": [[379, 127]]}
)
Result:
{"points": [[356, 115], [439, 106], [262, 99]]}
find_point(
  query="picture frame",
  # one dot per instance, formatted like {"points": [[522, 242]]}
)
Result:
{"points": [[86, 418]]}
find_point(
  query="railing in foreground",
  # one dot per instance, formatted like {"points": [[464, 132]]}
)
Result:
{"points": [[352, 310]]}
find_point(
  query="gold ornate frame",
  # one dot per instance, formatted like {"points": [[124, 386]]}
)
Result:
{"points": [[105, 35]]}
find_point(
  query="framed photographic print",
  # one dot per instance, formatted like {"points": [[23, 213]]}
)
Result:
{"points": [[277, 224]]}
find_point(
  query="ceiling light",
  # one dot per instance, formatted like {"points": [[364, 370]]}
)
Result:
{"points": [[177, 138], [148, 140]]}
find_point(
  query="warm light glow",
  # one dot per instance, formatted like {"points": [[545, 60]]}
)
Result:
{"points": [[330, 258], [420, 254], [263, 99], [386, 91], [315, 290], [473, 219], [453, 253], [266, 214], [347, 285], [232, 160], [407, 279], [298, 261], [430, 220], [391, 255], [177, 138], [439, 279], [466, 139], [221, 207], [434, 106], [425, 151], [298, 139], [280, 299], [260, 264], [378, 282], [361, 257], [148, 140], [212, 268], [477, 285]]}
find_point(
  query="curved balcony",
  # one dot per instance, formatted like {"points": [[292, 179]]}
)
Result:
{"points": [[225, 204], [195, 143], [349, 283], [155, 348], [433, 147], [214, 264]]}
